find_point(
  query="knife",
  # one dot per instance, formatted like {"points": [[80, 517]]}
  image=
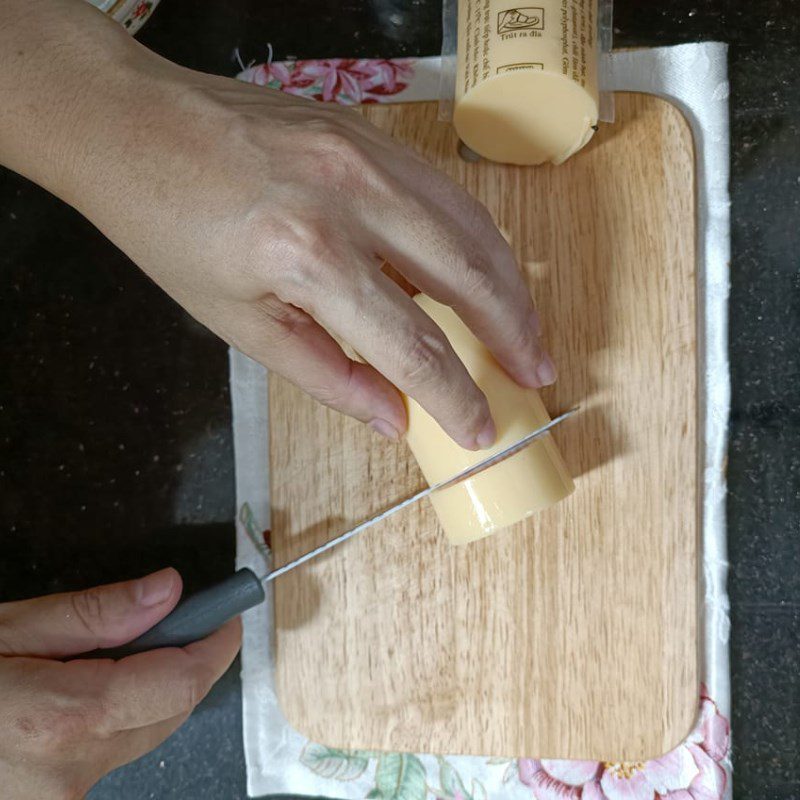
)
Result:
{"points": [[202, 613]]}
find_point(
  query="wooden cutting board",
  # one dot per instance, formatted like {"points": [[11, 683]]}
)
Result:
{"points": [[575, 634]]}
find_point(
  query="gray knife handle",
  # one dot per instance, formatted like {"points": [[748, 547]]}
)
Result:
{"points": [[197, 616]]}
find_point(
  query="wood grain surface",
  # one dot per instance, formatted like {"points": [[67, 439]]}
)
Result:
{"points": [[573, 635]]}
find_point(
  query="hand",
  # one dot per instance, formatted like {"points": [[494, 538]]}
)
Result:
{"points": [[267, 217], [64, 725]]}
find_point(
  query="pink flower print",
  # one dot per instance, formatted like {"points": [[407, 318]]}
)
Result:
{"points": [[381, 77], [646, 780], [690, 772], [672, 772], [139, 13], [626, 781], [258, 74], [710, 781], [342, 80], [331, 75], [556, 780], [142, 9], [713, 731], [275, 74], [592, 791]]}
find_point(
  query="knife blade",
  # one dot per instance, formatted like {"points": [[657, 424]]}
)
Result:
{"points": [[466, 474], [202, 613]]}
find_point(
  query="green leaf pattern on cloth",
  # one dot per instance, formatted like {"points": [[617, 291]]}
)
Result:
{"points": [[400, 776], [328, 762], [450, 780]]}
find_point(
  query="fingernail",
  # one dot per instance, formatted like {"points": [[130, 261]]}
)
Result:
{"points": [[487, 435], [384, 428], [546, 371], [155, 589]]}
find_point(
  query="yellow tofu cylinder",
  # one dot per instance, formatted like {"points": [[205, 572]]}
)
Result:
{"points": [[526, 80], [508, 492]]}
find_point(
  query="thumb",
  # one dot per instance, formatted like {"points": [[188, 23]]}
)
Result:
{"points": [[71, 623]]}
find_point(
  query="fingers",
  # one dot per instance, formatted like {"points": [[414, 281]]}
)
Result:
{"points": [[441, 239], [447, 244], [158, 685], [383, 324], [71, 623], [77, 719], [291, 343]]}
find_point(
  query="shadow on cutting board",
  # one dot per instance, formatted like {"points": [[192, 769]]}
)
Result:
{"points": [[304, 602], [579, 297]]}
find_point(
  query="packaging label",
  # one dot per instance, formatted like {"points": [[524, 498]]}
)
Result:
{"points": [[495, 37]]}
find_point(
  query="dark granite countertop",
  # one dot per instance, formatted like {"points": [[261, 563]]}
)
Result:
{"points": [[115, 444]]}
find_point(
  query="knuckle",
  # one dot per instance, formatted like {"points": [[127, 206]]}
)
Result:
{"points": [[331, 138], [338, 158], [298, 286], [520, 334], [195, 688], [89, 609], [477, 280], [284, 320], [336, 395], [280, 246], [243, 128], [477, 413], [303, 254], [469, 406], [192, 695], [423, 360]]}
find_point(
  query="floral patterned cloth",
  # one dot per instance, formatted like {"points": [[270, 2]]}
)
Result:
{"points": [[349, 81], [693, 771], [132, 14]]}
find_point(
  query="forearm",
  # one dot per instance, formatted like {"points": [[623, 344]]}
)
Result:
{"points": [[64, 69]]}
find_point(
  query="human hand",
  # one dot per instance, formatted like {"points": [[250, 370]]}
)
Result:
{"points": [[267, 217], [63, 725]]}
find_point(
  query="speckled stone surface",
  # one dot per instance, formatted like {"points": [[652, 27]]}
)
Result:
{"points": [[115, 447]]}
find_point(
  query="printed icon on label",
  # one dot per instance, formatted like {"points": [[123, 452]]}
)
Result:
{"points": [[519, 66], [520, 19]]}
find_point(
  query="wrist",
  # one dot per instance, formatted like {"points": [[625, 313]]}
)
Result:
{"points": [[109, 127], [58, 111]]}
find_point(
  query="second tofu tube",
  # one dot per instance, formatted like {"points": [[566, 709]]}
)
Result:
{"points": [[508, 492], [526, 80]]}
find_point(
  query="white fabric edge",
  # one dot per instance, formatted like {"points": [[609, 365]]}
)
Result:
{"points": [[668, 72], [250, 412], [672, 73]]}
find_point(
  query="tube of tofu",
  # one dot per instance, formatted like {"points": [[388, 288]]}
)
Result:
{"points": [[530, 481], [526, 87]]}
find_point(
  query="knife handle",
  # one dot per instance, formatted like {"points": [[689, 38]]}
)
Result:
{"points": [[195, 617]]}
